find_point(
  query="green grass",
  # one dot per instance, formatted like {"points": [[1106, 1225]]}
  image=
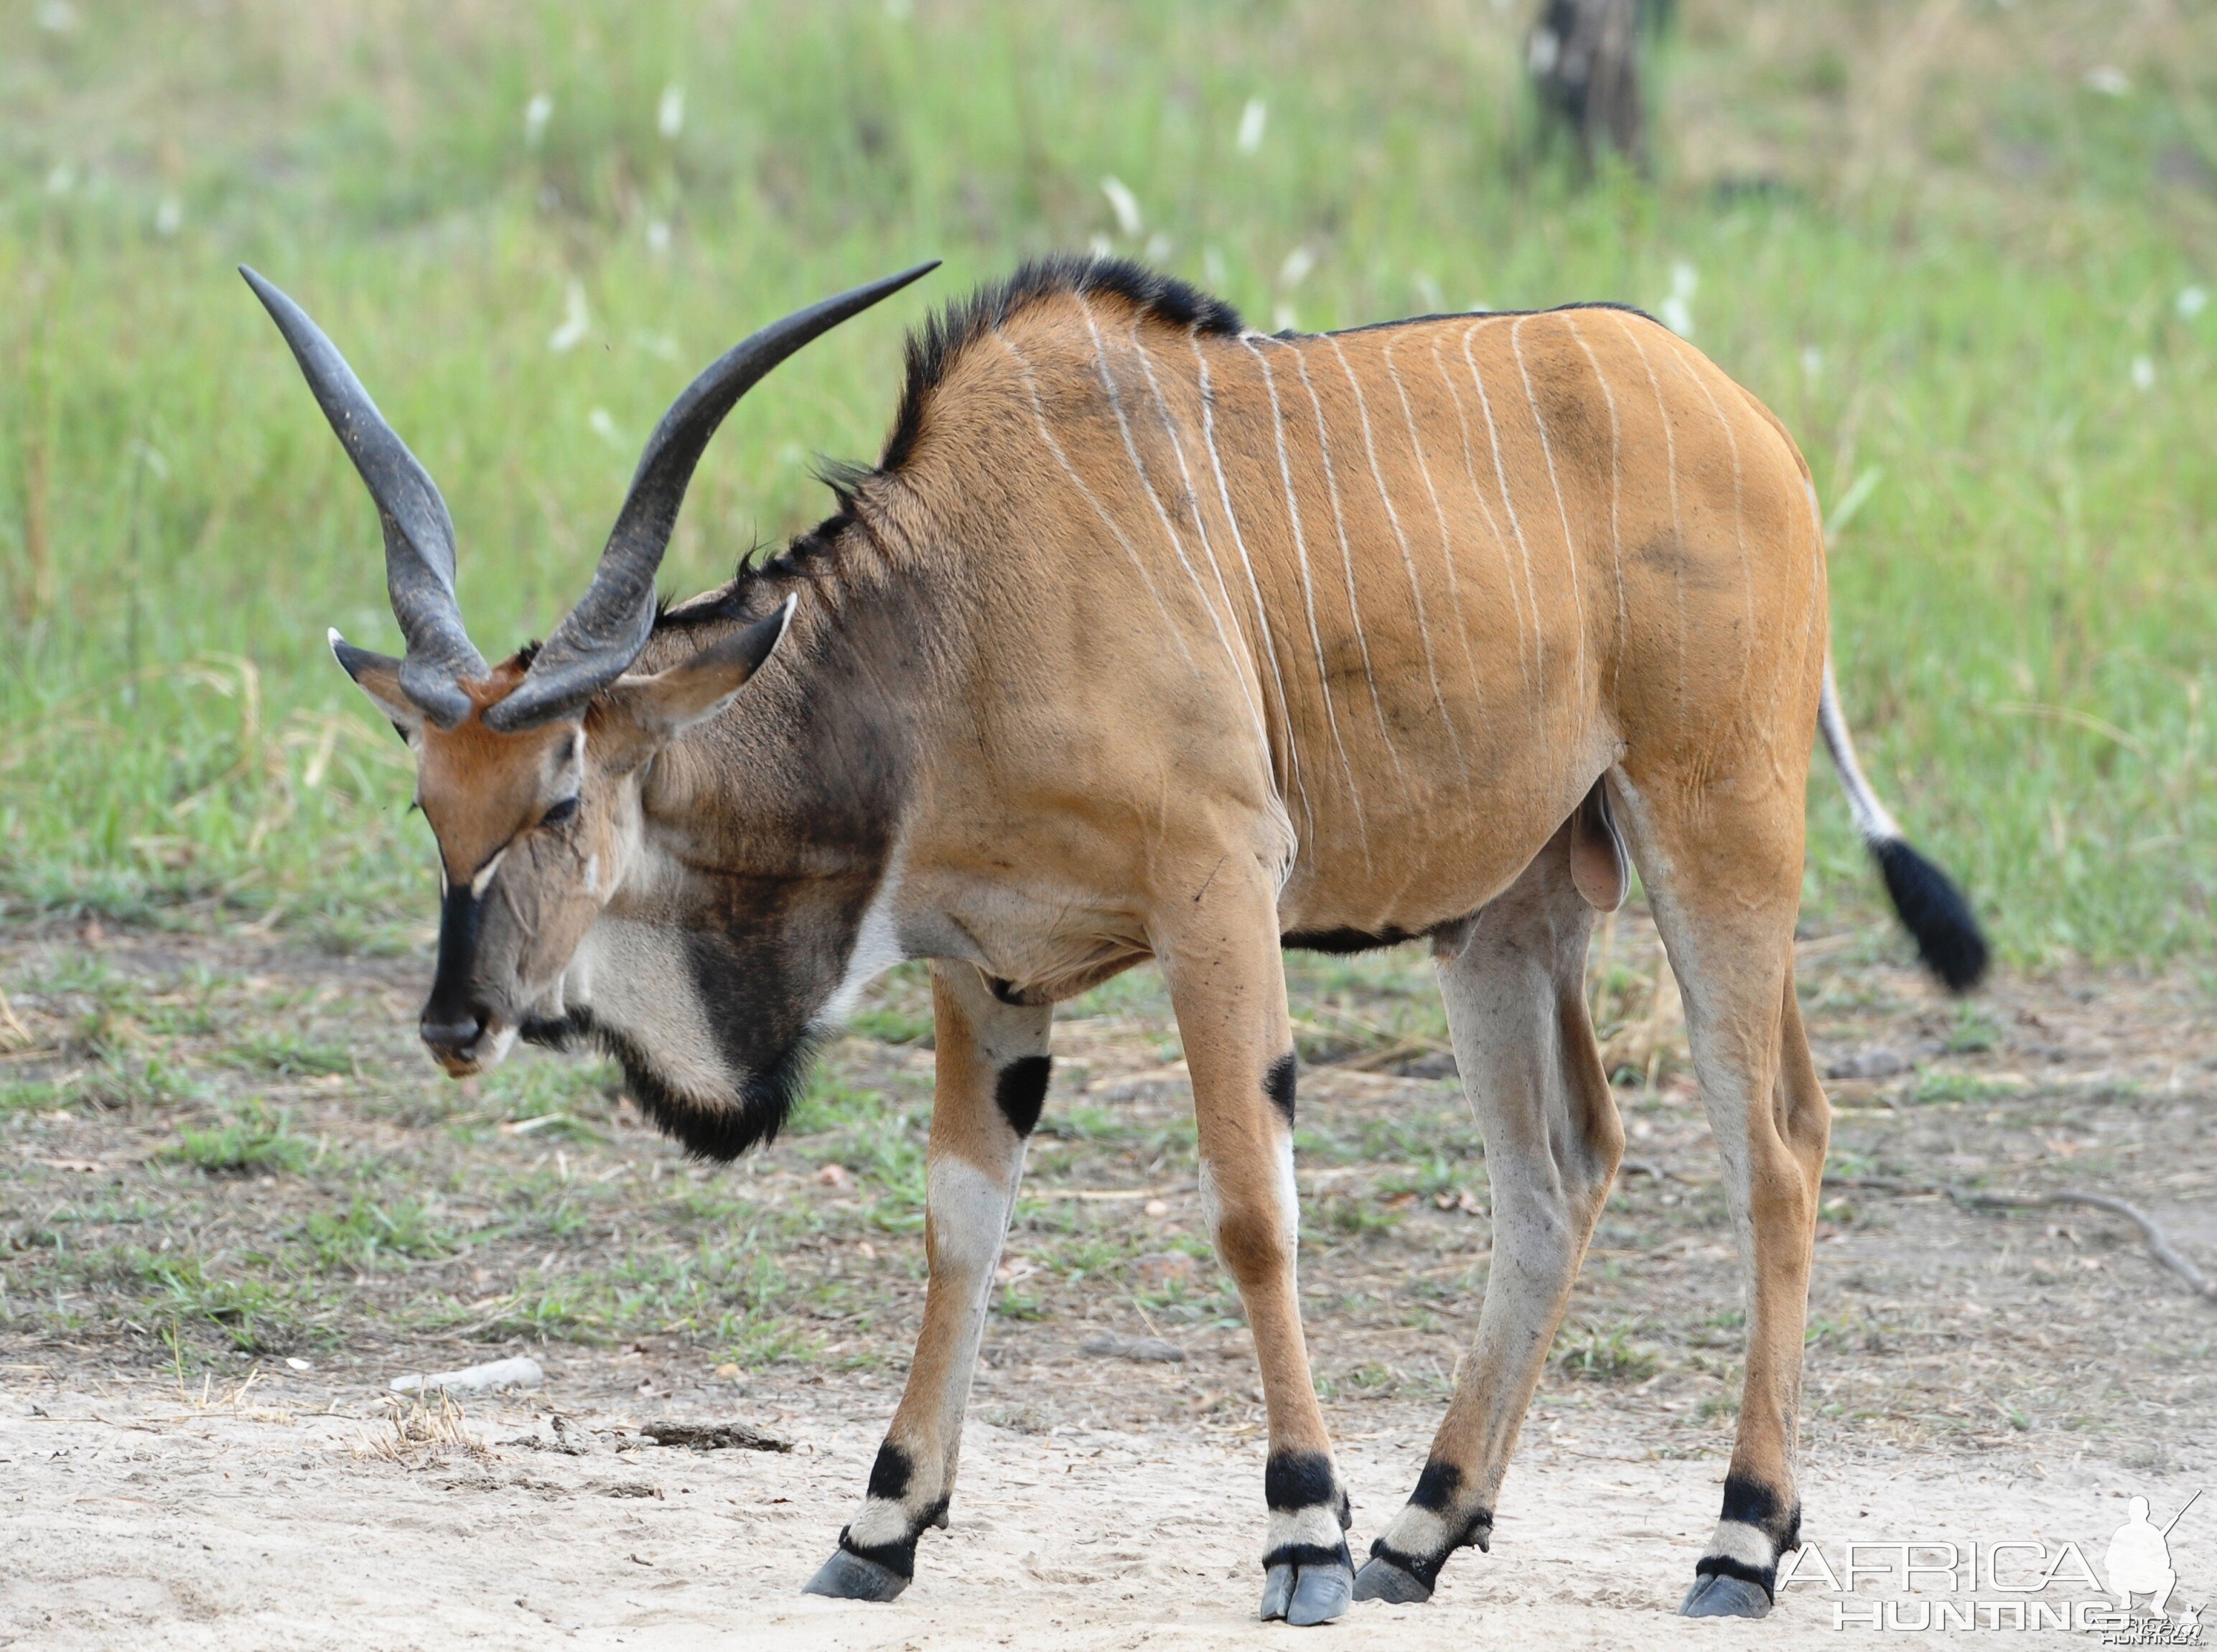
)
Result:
{"points": [[1932, 246]]}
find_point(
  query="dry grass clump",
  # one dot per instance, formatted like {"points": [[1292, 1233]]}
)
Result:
{"points": [[415, 1434]]}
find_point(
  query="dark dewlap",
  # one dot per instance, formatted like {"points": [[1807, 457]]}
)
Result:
{"points": [[718, 1131]]}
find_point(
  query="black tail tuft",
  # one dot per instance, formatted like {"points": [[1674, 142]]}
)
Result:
{"points": [[1935, 913]]}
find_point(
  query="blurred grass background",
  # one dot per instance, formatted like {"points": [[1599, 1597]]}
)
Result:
{"points": [[1961, 246]]}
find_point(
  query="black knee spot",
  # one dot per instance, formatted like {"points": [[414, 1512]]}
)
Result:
{"points": [[1752, 1503], [1278, 1084], [1436, 1487], [1298, 1480], [1022, 1092], [890, 1474]]}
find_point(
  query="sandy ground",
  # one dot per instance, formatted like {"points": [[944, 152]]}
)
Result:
{"points": [[133, 1519]]}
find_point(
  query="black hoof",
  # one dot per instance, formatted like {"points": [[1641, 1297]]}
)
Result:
{"points": [[1307, 1595], [1716, 1595], [1381, 1580], [849, 1577]]}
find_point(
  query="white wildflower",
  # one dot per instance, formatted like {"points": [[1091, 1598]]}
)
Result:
{"points": [[1123, 203], [2143, 373], [168, 216], [1212, 267], [576, 319], [1676, 312], [2192, 301], [62, 179], [536, 114], [1812, 362], [1296, 268], [1428, 292], [1252, 120], [57, 16], [2109, 81], [604, 427], [657, 236], [1283, 319], [669, 113], [1158, 247]]}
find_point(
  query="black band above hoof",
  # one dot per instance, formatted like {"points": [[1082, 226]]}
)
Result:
{"points": [[1381, 1580], [848, 1576], [1715, 1595]]}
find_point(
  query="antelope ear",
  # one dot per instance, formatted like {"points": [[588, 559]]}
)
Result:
{"points": [[694, 689], [377, 676]]}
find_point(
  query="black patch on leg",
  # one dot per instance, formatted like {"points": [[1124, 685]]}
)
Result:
{"points": [[1021, 1092], [890, 1474], [898, 1558], [1764, 1577], [1300, 1555], [1278, 1084], [1752, 1503], [1294, 1480], [1436, 1487]]}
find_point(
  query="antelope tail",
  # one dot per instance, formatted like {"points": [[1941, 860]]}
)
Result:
{"points": [[1931, 907]]}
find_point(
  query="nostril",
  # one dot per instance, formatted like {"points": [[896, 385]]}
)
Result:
{"points": [[455, 1033]]}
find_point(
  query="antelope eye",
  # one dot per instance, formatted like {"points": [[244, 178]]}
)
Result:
{"points": [[562, 811]]}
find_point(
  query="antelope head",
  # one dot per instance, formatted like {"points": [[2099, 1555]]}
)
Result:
{"points": [[529, 772]]}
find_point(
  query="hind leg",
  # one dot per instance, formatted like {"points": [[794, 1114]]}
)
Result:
{"points": [[1723, 870], [1514, 982]]}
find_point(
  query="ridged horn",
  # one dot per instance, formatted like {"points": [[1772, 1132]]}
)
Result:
{"points": [[604, 633], [419, 535]]}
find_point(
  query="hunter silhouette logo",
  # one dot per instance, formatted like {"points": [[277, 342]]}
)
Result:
{"points": [[2021, 1583], [2139, 1560]]}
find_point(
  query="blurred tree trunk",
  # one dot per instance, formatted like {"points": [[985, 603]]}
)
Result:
{"points": [[1583, 56]]}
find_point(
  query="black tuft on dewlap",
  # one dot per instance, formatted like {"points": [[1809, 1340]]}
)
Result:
{"points": [[1936, 915]]}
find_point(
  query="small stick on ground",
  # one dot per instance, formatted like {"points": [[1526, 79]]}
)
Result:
{"points": [[2158, 1242]]}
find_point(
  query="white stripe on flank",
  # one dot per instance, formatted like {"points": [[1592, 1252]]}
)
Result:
{"points": [[1492, 528], [1447, 545], [1678, 529], [1615, 488], [1347, 561], [1169, 533], [1046, 435], [1408, 562], [1562, 513], [1309, 593], [1739, 528], [1254, 586], [1508, 503]]}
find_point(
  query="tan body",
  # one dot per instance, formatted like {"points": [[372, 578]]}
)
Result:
{"points": [[1151, 637], [1334, 634]]}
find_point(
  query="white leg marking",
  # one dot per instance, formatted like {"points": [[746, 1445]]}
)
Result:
{"points": [[1615, 489], [1046, 435], [1308, 597], [1347, 561], [1315, 1526], [1562, 512], [1749, 1545], [1408, 562]]}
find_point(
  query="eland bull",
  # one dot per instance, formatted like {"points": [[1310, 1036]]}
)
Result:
{"points": [[1152, 637]]}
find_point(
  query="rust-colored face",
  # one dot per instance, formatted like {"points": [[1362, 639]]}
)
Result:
{"points": [[537, 829]]}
